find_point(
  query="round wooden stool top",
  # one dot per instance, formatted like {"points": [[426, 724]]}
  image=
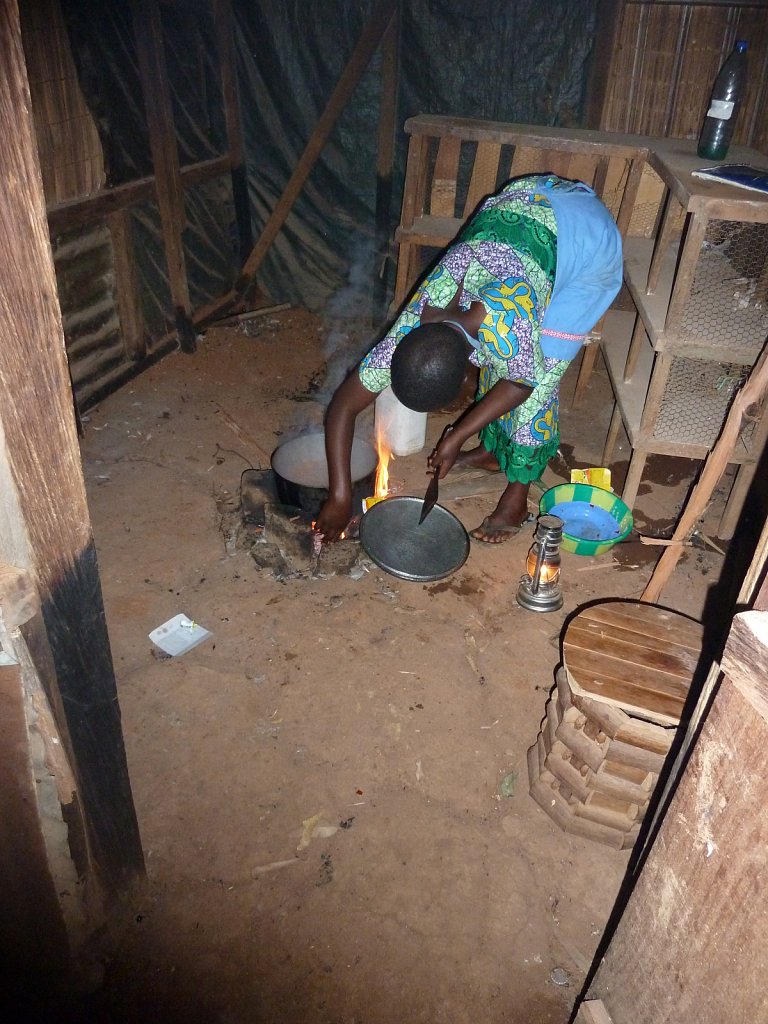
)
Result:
{"points": [[635, 656]]}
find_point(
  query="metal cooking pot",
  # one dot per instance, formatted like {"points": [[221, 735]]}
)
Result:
{"points": [[394, 539], [301, 472]]}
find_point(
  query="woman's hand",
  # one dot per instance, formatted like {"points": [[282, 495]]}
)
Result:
{"points": [[446, 453], [333, 519]]}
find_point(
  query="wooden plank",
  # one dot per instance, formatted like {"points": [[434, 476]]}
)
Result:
{"points": [[583, 167], [671, 228], [635, 757], [737, 497], [676, 628], [148, 35], [588, 750], [686, 272], [660, 698], [608, 810], [225, 44], [636, 650], [562, 768], [621, 781], [64, 216], [573, 140], [366, 46], [127, 285], [617, 724], [745, 660], [589, 355], [18, 597], [31, 923], [696, 913], [47, 505], [385, 160], [428, 230], [484, 175], [442, 196]]}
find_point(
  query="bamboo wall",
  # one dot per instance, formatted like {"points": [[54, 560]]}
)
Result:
{"points": [[664, 58], [67, 140]]}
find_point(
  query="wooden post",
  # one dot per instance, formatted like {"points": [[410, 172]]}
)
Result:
{"points": [[749, 398], [148, 33], [609, 15], [385, 161], [690, 942], [127, 285], [222, 14], [382, 15], [47, 528]]}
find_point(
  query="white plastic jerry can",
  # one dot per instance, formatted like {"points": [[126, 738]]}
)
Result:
{"points": [[402, 430]]}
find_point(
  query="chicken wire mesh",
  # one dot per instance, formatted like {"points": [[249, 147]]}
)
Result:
{"points": [[696, 399], [728, 305]]}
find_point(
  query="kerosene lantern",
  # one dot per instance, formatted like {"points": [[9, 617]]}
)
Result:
{"points": [[539, 589]]}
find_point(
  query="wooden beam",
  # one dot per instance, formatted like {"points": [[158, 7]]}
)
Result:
{"points": [[353, 72], [44, 503], [385, 159], [223, 19], [609, 15], [127, 285], [98, 205], [148, 34]]}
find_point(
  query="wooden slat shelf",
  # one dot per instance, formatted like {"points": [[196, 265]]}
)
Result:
{"points": [[653, 310], [429, 230], [631, 399], [700, 290], [675, 159], [700, 287], [576, 140]]}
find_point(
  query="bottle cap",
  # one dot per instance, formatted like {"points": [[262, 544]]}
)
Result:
{"points": [[741, 45]]}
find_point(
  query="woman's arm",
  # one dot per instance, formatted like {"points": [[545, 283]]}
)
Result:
{"points": [[502, 398], [348, 402]]}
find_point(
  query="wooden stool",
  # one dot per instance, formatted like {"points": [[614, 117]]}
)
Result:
{"points": [[627, 668]]}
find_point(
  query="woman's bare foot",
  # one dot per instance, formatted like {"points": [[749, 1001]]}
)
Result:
{"points": [[478, 458], [507, 518]]}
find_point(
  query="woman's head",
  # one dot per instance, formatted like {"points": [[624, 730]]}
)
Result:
{"points": [[428, 367]]}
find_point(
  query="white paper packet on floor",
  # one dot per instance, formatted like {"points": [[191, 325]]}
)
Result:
{"points": [[179, 635]]}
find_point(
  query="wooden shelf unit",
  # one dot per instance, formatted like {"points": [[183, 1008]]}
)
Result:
{"points": [[696, 268], [700, 290], [455, 162]]}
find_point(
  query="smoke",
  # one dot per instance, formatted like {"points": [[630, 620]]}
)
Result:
{"points": [[347, 333]]}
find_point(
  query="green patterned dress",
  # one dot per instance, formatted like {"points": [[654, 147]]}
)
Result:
{"points": [[504, 257]]}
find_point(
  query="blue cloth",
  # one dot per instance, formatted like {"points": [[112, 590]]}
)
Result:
{"points": [[589, 265]]}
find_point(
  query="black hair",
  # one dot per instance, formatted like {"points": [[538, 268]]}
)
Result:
{"points": [[428, 367]]}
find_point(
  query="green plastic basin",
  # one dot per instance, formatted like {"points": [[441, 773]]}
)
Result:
{"points": [[593, 519]]}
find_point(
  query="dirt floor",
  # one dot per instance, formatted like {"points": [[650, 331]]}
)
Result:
{"points": [[332, 790]]}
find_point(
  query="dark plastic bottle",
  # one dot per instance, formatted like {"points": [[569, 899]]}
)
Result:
{"points": [[727, 93]]}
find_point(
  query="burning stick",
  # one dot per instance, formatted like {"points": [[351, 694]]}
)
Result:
{"points": [[317, 541]]}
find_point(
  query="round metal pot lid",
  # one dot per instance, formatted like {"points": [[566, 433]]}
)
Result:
{"points": [[392, 537]]}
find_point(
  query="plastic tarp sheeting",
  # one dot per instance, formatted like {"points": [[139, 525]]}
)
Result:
{"points": [[522, 60]]}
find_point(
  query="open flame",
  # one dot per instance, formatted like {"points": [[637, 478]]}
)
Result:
{"points": [[317, 540], [549, 573], [381, 487]]}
